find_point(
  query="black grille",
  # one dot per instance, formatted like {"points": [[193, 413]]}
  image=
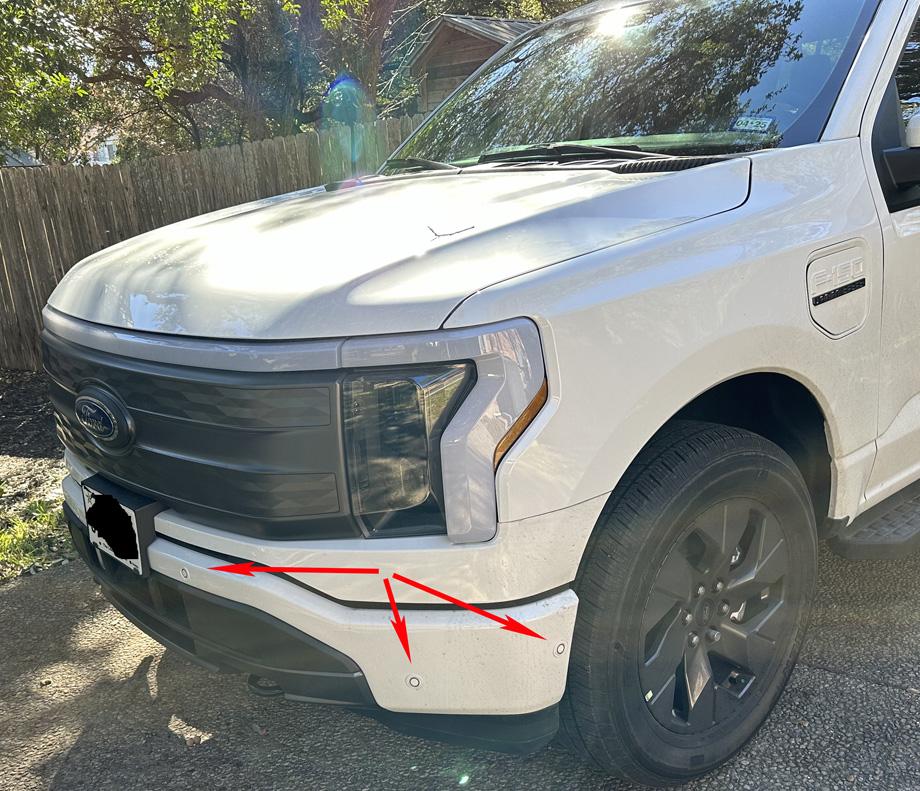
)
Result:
{"points": [[257, 453]]}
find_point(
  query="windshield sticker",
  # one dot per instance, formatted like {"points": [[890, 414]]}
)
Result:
{"points": [[753, 123]]}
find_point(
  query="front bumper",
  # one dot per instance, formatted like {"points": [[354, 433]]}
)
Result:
{"points": [[227, 637], [462, 664]]}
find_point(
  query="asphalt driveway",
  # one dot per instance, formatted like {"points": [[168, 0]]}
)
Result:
{"points": [[89, 702]]}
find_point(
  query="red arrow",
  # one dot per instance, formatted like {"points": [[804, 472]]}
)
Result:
{"points": [[508, 623], [398, 621], [248, 568]]}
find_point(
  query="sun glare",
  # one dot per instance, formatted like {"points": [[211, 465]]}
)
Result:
{"points": [[614, 23]]}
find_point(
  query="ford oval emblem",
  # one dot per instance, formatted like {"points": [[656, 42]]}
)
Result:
{"points": [[96, 418], [105, 419]]}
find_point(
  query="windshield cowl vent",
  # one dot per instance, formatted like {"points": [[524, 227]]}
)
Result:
{"points": [[668, 165]]}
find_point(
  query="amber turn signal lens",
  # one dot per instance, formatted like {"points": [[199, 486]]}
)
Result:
{"points": [[519, 425]]}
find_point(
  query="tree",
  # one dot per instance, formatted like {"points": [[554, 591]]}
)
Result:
{"points": [[358, 29], [38, 103], [188, 72], [248, 57]]}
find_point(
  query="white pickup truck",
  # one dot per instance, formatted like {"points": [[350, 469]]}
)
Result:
{"points": [[543, 423]]}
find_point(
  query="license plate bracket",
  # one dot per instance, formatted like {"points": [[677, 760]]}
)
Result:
{"points": [[120, 522]]}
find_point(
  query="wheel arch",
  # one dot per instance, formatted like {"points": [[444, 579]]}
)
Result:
{"points": [[773, 404], [785, 411]]}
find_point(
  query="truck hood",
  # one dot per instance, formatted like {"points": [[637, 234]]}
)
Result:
{"points": [[392, 255]]}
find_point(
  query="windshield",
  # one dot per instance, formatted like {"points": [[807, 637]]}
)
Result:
{"points": [[673, 76]]}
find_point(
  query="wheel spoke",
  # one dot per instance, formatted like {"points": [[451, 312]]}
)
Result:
{"points": [[698, 674], [662, 704], [760, 539], [709, 531], [768, 623], [744, 649], [750, 645], [721, 531], [664, 658], [772, 565], [747, 589], [703, 714], [676, 576], [739, 518], [764, 569], [661, 604]]}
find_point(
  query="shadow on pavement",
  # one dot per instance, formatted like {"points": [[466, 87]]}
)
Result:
{"points": [[118, 713]]}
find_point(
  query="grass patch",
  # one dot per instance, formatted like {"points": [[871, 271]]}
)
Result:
{"points": [[33, 537]]}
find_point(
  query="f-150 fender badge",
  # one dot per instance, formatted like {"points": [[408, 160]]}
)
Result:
{"points": [[838, 293]]}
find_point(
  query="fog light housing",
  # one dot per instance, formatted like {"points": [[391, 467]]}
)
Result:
{"points": [[393, 420]]}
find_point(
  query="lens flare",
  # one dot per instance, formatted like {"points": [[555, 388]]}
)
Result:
{"points": [[344, 109]]}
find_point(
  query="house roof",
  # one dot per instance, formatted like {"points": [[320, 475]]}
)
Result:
{"points": [[12, 159], [501, 31]]}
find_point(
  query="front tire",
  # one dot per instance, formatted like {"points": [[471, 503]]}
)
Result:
{"points": [[695, 594]]}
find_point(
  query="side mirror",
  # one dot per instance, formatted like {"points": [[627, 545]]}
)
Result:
{"points": [[913, 130], [904, 162]]}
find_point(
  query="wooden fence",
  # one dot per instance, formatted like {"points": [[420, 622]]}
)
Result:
{"points": [[50, 218]]}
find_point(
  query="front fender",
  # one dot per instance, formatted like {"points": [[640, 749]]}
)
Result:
{"points": [[634, 333]]}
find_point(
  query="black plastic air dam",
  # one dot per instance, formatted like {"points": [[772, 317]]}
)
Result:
{"points": [[225, 636]]}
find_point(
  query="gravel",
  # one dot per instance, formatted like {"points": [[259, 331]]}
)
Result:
{"points": [[88, 702]]}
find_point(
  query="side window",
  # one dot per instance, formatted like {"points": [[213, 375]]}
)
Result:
{"points": [[907, 76], [901, 101]]}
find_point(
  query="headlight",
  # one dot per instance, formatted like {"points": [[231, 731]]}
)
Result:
{"points": [[394, 419]]}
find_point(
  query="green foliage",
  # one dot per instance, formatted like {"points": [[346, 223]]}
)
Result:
{"points": [[38, 97], [73, 71], [171, 45], [336, 12], [32, 538]]}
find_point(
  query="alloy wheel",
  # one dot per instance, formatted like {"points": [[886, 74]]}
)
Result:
{"points": [[712, 626]]}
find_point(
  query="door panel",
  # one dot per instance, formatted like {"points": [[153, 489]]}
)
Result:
{"points": [[898, 459]]}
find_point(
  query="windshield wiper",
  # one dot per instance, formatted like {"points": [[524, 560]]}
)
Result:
{"points": [[419, 164], [560, 152]]}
